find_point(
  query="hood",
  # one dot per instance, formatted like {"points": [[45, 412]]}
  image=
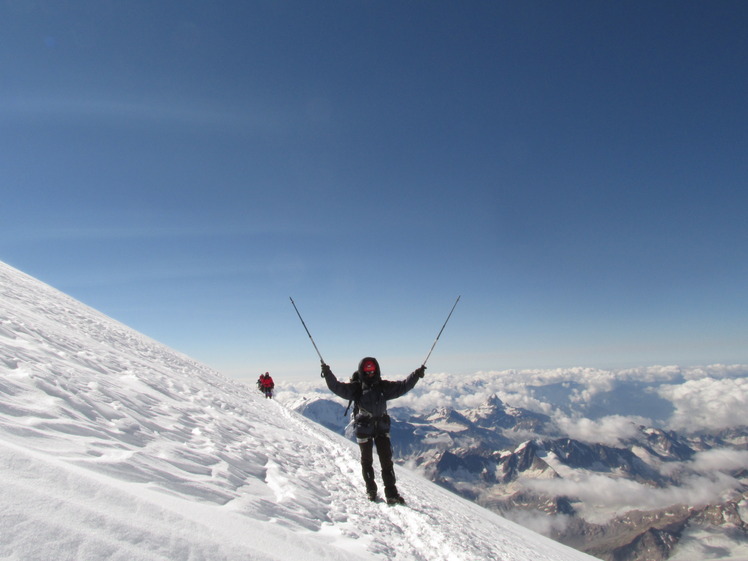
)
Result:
{"points": [[360, 372]]}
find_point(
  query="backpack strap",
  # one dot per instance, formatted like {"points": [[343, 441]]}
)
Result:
{"points": [[347, 408], [356, 397]]}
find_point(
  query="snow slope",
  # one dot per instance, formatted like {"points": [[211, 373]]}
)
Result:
{"points": [[114, 447]]}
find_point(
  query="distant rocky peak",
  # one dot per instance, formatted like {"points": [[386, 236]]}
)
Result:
{"points": [[494, 413], [526, 457], [667, 445], [447, 414], [494, 401]]}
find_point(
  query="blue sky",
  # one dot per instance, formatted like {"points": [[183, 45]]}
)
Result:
{"points": [[576, 171]]}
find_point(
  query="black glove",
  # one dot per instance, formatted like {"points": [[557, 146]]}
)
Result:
{"points": [[326, 370], [421, 371]]}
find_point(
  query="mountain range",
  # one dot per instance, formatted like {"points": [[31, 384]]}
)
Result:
{"points": [[655, 494]]}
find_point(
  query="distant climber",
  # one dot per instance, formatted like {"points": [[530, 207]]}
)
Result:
{"points": [[265, 384], [369, 394]]}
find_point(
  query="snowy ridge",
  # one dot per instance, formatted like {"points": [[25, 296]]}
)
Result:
{"points": [[115, 447]]}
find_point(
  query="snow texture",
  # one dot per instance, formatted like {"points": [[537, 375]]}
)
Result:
{"points": [[115, 447]]}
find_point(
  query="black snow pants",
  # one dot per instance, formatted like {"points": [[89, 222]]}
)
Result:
{"points": [[384, 451]]}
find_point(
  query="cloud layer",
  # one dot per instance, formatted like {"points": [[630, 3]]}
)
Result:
{"points": [[603, 496], [593, 405]]}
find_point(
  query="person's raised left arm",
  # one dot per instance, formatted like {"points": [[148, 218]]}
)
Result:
{"points": [[396, 389]]}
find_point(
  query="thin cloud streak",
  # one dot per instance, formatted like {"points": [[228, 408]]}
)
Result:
{"points": [[129, 112]]}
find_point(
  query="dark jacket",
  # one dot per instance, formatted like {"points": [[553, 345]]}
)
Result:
{"points": [[370, 398]]}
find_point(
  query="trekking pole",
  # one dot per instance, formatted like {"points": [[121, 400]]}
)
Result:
{"points": [[307, 331], [440, 332]]}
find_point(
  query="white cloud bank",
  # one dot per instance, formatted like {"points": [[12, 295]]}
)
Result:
{"points": [[708, 403], [694, 398], [604, 497], [610, 430]]}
